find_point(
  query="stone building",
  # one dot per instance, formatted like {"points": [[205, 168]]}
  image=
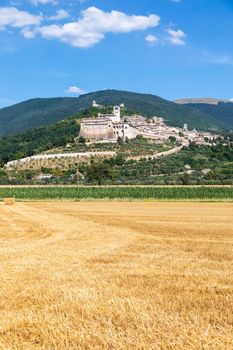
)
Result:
{"points": [[106, 127], [97, 129], [95, 105]]}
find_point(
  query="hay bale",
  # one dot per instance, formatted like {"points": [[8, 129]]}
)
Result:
{"points": [[9, 201]]}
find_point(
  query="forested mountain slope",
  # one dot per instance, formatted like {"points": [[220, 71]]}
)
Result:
{"points": [[222, 112], [46, 111]]}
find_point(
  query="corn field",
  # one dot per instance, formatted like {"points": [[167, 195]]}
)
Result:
{"points": [[127, 192]]}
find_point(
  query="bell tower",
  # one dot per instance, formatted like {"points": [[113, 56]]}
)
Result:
{"points": [[117, 113]]}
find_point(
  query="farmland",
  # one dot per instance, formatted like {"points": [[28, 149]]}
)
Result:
{"points": [[121, 192], [121, 276], [135, 163]]}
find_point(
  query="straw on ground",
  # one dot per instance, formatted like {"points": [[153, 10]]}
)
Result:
{"points": [[116, 276]]}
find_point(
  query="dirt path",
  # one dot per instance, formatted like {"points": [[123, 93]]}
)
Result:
{"points": [[158, 155]]}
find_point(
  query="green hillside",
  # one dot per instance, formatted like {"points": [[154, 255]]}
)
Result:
{"points": [[46, 111], [223, 111], [35, 113], [38, 140]]}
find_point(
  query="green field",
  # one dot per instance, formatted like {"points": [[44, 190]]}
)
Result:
{"points": [[124, 192]]}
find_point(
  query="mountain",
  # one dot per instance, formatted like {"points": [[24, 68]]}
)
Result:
{"points": [[46, 111], [205, 100], [35, 113], [223, 111], [37, 140]]}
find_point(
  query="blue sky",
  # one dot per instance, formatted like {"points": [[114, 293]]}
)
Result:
{"points": [[170, 48]]}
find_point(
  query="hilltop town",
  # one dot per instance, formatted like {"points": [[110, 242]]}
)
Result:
{"points": [[110, 127], [126, 145]]}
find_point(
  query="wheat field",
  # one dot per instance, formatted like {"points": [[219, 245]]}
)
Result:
{"points": [[112, 275]]}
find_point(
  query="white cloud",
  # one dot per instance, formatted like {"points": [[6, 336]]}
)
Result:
{"points": [[151, 39], [28, 33], [11, 17], [221, 59], [60, 14], [44, 2], [215, 58], [75, 90], [94, 23], [176, 37]]}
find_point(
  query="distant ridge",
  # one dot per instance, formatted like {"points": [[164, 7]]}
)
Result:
{"points": [[47, 111], [206, 100]]}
